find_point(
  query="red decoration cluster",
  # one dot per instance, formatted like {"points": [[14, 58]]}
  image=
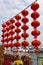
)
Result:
{"points": [[35, 24], [8, 31]]}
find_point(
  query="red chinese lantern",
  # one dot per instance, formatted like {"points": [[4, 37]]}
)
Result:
{"points": [[35, 33], [7, 34], [12, 26], [25, 44], [34, 6], [36, 43], [11, 32], [3, 35], [11, 38], [18, 24], [35, 23], [3, 40], [8, 28], [35, 15], [25, 27], [17, 17], [25, 20], [11, 45], [3, 30], [7, 40], [25, 12], [17, 30], [8, 23], [17, 37], [12, 20], [3, 25], [25, 35], [17, 44]]}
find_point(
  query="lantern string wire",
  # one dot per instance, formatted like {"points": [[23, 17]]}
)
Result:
{"points": [[23, 9]]}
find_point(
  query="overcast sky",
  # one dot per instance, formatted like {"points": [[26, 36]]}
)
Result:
{"points": [[9, 8]]}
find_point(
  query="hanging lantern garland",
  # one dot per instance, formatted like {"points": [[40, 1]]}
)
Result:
{"points": [[11, 38], [7, 34], [3, 33], [17, 30], [25, 28], [35, 24]]}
